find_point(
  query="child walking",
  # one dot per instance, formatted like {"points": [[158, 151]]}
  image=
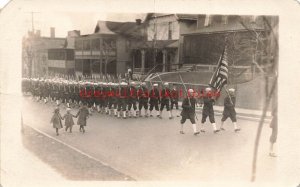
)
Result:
{"points": [[56, 120], [68, 117]]}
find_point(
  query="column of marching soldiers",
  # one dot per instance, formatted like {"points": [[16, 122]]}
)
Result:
{"points": [[119, 99], [123, 99]]}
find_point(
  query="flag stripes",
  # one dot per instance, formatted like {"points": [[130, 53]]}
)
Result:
{"points": [[220, 76]]}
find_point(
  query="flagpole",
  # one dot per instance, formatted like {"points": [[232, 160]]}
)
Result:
{"points": [[225, 86]]}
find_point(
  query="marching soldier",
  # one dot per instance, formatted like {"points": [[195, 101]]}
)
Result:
{"points": [[174, 100], [143, 96], [188, 111], [229, 110], [208, 110], [132, 99], [105, 90], [122, 99], [165, 100], [112, 95], [154, 99]]}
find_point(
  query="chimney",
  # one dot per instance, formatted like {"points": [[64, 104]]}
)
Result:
{"points": [[52, 32], [138, 21]]}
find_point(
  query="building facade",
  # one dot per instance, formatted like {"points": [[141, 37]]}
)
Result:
{"points": [[35, 53], [61, 61], [106, 51], [161, 50]]}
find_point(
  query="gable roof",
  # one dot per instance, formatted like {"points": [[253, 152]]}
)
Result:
{"points": [[234, 27], [122, 28]]}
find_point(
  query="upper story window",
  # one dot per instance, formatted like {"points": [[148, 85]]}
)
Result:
{"points": [[207, 20], [170, 30]]}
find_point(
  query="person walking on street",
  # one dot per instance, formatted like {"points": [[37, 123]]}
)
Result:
{"points": [[229, 110], [68, 117], [56, 120], [82, 115], [188, 111]]}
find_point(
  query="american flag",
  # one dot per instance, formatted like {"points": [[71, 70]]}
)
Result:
{"points": [[220, 76]]}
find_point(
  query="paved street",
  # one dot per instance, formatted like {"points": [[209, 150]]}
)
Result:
{"points": [[153, 149]]}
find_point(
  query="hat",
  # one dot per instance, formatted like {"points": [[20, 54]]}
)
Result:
{"points": [[133, 83], [56, 109], [231, 90], [68, 109], [123, 83], [190, 90], [166, 84], [208, 89], [155, 84]]}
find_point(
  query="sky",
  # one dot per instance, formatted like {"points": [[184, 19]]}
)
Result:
{"points": [[3, 3], [63, 20]]}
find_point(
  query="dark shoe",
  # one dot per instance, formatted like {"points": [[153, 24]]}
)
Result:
{"points": [[151, 115], [216, 131], [203, 131], [272, 155], [222, 129], [196, 133], [181, 132], [237, 130]]}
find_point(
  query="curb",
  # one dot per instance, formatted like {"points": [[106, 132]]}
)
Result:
{"points": [[80, 152]]}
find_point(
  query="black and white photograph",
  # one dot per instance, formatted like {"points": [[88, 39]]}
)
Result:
{"points": [[149, 91]]}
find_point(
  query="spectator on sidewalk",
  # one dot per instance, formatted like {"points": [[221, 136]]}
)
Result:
{"points": [[82, 115], [229, 110], [56, 120], [68, 117]]}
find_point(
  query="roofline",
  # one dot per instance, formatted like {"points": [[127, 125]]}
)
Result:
{"points": [[219, 32]]}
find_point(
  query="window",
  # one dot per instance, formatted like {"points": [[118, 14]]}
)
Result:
{"points": [[95, 44], [170, 30], [207, 20], [86, 45]]}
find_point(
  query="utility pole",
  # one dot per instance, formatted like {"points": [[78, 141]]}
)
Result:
{"points": [[32, 20]]}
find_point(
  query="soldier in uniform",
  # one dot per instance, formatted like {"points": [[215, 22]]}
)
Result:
{"points": [[106, 97], [174, 100], [143, 97], [188, 111], [208, 110], [154, 99], [132, 99], [97, 96], [229, 110], [112, 95], [165, 100], [122, 99]]}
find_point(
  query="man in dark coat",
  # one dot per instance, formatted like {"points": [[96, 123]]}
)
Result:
{"points": [[82, 115], [174, 100], [229, 110], [154, 99], [208, 110], [165, 100], [188, 111], [132, 99], [143, 97]]}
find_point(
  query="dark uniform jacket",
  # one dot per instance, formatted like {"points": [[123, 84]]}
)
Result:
{"points": [[208, 103], [228, 106], [188, 108], [154, 96]]}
